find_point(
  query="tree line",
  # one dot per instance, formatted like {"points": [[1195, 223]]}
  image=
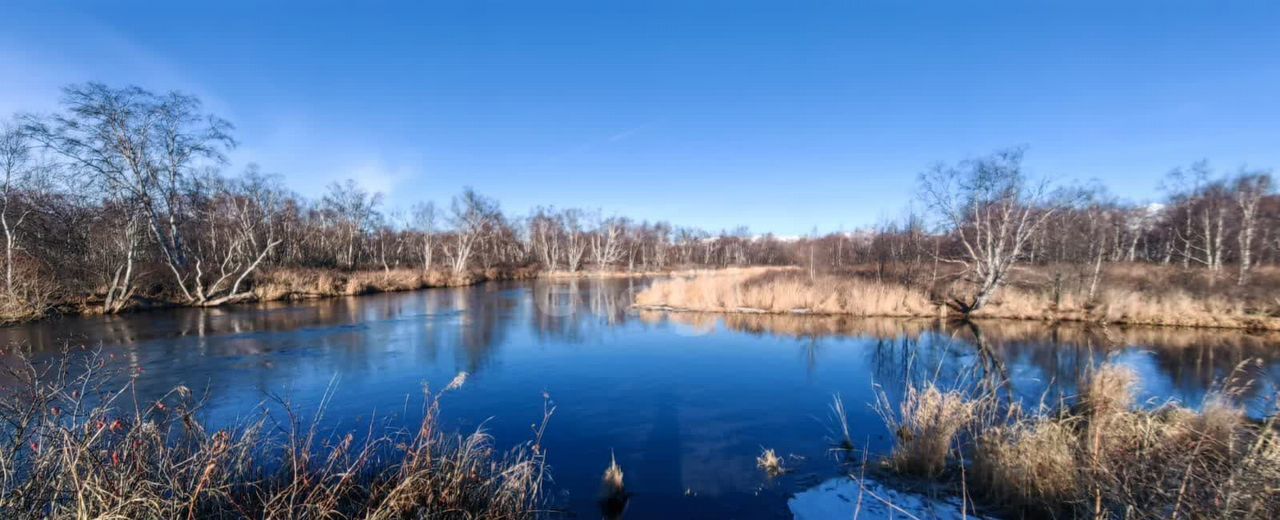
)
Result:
{"points": [[123, 194], [986, 215]]}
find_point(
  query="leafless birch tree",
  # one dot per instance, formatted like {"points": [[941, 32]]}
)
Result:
{"points": [[1250, 188], [473, 216], [575, 240], [606, 242], [424, 222], [351, 209], [143, 150], [989, 206], [16, 169], [546, 228]]}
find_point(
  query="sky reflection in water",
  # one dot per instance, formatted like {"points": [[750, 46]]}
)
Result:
{"points": [[686, 401]]}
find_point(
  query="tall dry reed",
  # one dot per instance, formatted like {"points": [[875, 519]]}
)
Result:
{"points": [[781, 290], [925, 428], [1099, 458], [76, 444], [768, 290]]}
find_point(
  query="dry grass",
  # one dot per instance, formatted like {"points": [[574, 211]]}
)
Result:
{"points": [[303, 283], [285, 284], [925, 428], [613, 491], [1168, 307], [841, 439], [1035, 295], [1102, 458], [1108, 392], [771, 463], [14, 310], [32, 296], [595, 273], [1027, 466], [74, 446], [772, 290], [1139, 294], [612, 481]]}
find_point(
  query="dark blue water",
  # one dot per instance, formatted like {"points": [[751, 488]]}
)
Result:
{"points": [[685, 402]]}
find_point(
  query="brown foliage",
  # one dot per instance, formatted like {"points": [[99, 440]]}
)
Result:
{"points": [[1103, 458], [74, 447], [779, 291]]}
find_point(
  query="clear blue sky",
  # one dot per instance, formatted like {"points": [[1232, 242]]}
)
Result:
{"points": [[781, 116]]}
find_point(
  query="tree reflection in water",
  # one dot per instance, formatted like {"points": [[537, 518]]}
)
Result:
{"points": [[685, 399], [1036, 362]]}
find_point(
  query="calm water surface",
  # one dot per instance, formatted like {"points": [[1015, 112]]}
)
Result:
{"points": [[685, 401]]}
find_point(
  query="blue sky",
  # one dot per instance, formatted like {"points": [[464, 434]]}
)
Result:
{"points": [[780, 116]]}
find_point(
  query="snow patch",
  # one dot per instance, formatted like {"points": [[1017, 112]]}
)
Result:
{"points": [[841, 497]]}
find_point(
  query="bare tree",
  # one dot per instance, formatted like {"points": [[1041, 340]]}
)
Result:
{"points": [[546, 228], [121, 195], [575, 239], [120, 256], [606, 242], [389, 236], [240, 234], [990, 208], [424, 221], [144, 150], [352, 210], [473, 216], [16, 169], [1200, 202], [1250, 188]]}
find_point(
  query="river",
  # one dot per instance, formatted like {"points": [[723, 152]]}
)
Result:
{"points": [[685, 402]]}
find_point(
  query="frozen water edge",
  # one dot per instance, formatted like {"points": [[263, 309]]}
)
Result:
{"points": [[839, 498]]}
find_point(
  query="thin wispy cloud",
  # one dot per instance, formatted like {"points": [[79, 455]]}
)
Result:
{"points": [[48, 62], [626, 134]]}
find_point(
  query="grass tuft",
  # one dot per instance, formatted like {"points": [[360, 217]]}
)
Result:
{"points": [[76, 445], [1102, 458], [771, 463], [613, 491], [925, 427]]}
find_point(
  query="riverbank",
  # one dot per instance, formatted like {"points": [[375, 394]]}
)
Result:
{"points": [[309, 283], [569, 275], [292, 284], [1135, 301]]}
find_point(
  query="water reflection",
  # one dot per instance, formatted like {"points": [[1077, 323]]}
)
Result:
{"points": [[685, 401], [1039, 360], [581, 311]]}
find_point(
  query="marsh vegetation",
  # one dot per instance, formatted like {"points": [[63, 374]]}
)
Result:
{"points": [[1129, 294], [121, 200], [1101, 455], [723, 413], [76, 442], [982, 250]]}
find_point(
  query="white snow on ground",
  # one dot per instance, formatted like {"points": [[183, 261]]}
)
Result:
{"points": [[843, 497]]}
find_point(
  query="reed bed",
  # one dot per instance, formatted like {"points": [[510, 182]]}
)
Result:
{"points": [[791, 291], [283, 284], [75, 443], [766, 290], [1098, 458], [1000, 334], [925, 428]]}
